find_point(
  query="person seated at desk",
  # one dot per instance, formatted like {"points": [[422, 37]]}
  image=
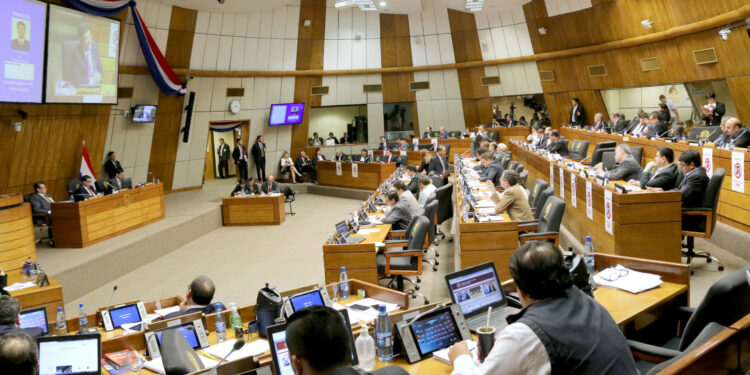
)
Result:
{"points": [[199, 295], [513, 200], [494, 169], [316, 140], [19, 354], [509, 121], [388, 157], [426, 191], [339, 156], [556, 145], [41, 203], [399, 215], [413, 186], [618, 123], [346, 138], [86, 190], [333, 138], [481, 168], [363, 156], [693, 185], [599, 123], [443, 133], [424, 167], [242, 189], [656, 127], [10, 317], [287, 166], [269, 186], [383, 144], [406, 197], [638, 127], [318, 157], [403, 145], [427, 133], [560, 330], [304, 165], [663, 114], [738, 135], [626, 167], [660, 173], [318, 343], [118, 182]]}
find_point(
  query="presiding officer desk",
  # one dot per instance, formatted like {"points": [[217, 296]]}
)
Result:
{"points": [[369, 175], [82, 224], [253, 210], [734, 207], [645, 224]]}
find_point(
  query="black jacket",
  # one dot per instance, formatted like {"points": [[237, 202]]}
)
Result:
{"points": [[34, 332], [664, 178], [82, 194], [579, 117], [346, 139], [258, 150], [315, 159], [494, 171], [236, 153], [438, 167], [718, 113], [223, 151], [741, 139], [112, 167], [693, 188], [559, 147], [274, 187], [249, 189], [620, 125], [414, 185], [339, 158], [302, 162]]}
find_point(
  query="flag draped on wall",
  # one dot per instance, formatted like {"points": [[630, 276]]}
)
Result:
{"points": [[86, 167], [224, 126], [161, 71]]}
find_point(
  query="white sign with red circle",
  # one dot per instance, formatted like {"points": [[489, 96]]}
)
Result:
{"points": [[573, 189], [338, 168], [589, 202], [608, 211], [552, 176], [738, 171], [708, 161], [355, 170], [562, 183]]}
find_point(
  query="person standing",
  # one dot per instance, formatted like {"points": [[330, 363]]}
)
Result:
{"points": [[674, 114], [223, 152], [713, 110], [259, 155], [240, 159], [577, 113], [112, 166]]}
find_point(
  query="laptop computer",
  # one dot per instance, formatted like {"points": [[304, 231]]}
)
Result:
{"points": [[343, 232], [34, 318], [475, 289], [72, 354]]}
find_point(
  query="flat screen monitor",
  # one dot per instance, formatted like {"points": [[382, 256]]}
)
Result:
{"points": [[286, 114], [82, 57], [476, 288], [311, 298], [144, 113], [22, 28], [34, 318], [435, 331], [72, 354], [187, 330], [342, 229], [125, 315]]}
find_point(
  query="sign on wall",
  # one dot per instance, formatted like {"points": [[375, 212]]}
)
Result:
{"points": [[355, 170]]}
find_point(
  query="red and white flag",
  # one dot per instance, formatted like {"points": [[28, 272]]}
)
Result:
{"points": [[86, 167]]}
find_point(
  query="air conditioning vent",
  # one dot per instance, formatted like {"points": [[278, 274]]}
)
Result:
{"points": [[597, 71], [319, 90], [649, 64], [236, 91], [490, 81], [369, 89], [546, 75], [422, 85], [705, 56]]}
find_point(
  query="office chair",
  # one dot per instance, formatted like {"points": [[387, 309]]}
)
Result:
{"points": [[637, 152], [726, 302], [608, 159], [578, 150], [102, 186], [676, 132], [522, 177], [541, 199], [548, 226], [40, 220], [701, 221], [454, 134], [430, 212], [596, 156], [512, 165], [494, 135], [435, 134], [127, 183], [535, 192], [72, 186], [519, 168], [398, 263], [443, 195], [436, 180], [499, 157], [506, 161], [289, 197], [707, 133]]}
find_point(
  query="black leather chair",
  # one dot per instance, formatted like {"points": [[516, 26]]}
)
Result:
{"points": [[512, 165], [596, 156], [494, 135], [701, 221], [102, 186], [548, 225], [455, 134], [435, 134], [541, 199], [397, 264], [506, 160], [430, 212], [519, 168], [436, 180], [39, 220], [536, 191], [443, 195], [706, 133], [289, 197], [608, 159], [637, 152], [726, 302], [578, 150], [676, 132], [522, 177], [72, 186], [127, 183]]}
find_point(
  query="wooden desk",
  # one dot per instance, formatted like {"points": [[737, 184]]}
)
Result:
{"points": [[734, 207], [359, 259], [369, 175], [413, 157], [645, 225], [255, 210], [16, 233], [50, 297], [82, 224]]}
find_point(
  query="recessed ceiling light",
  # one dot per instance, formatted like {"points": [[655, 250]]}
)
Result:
{"points": [[383, 3]]}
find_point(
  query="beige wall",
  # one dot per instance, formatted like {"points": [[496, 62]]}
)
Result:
{"points": [[333, 119]]}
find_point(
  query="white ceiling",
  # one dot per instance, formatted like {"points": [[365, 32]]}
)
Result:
{"points": [[392, 6]]}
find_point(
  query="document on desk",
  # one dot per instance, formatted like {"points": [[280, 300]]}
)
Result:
{"points": [[253, 348], [486, 211], [631, 188], [365, 232], [485, 219], [485, 204], [19, 286], [168, 310], [623, 278], [156, 365], [442, 354], [365, 309]]}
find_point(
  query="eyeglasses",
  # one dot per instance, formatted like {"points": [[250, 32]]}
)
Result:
{"points": [[613, 274]]}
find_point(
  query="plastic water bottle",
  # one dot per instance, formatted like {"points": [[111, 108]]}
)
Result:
{"points": [[234, 318], [83, 321], [384, 335], [365, 346], [588, 258], [61, 326], [343, 284], [221, 327]]}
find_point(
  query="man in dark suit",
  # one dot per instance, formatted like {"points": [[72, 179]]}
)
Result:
{"points": [[713, 110], [10, 316], [346, 138], [339, 156], [86, 190], [599, 123], [363, 157], [383, 145], [627, 168], [270, 186], [509, 121], [198, 298], [557, 145], [427, 133], [693, 186], [304, 165], [117, 182], [738, 134], [439, 164], [239, 154], [259, 155], [388, 157], [494, 169], [639, 127], [41, 203], [413, 186], [243, 188], [20, 43], [655, 127], [223, 153], [577, 112], [619, 125], [318, 157], [83, 65], [332, 138], [112, 166], [660, 173]]}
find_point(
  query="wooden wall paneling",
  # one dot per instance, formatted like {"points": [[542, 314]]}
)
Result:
{"points": [[740, 89], [559, 105], [474, 96], [395, 51]]}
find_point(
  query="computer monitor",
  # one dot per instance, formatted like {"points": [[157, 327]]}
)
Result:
{"points": [[342, 229], [34, 318], [476, 288], [311, 298], [435, 331], [72, 354], [187, 330]]}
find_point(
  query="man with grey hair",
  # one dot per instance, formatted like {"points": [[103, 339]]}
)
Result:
{"points": [[599, 123], [618, 123], [501, 147], [10, 316], [737, 134], [18, 354], [199, 295], [626, 167]]}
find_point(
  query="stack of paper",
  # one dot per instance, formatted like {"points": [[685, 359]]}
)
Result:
{"points": [[365, 232], [485, 204], [365, 310], [627, 279], [19, 286], [254, 348]]}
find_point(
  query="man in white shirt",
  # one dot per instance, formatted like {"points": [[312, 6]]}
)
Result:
{"points": [[560, 330], [674, 114], [426, 191]]}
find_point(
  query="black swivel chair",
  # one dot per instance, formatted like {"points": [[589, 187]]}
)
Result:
{"points": [[430, 212], [519, 168], [454, 134], [289, 197], [596, 156], [494, 135], [637, 152], [398, 264], [512, 165], [436, 180], [541, 199], [548, 226], [726, 302], [578, 150], [608, 159], [127, 183], [443, 195], [72, 186], [522, 177], [102, 186], [701, 221], [536, 191], [675, 132]]}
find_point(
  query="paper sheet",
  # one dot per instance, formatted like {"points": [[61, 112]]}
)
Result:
{"points": [[168, 310], [19, 286], [365, 232], [633, 282], [253, 348], [485, 219], [355, 315], [442, 354], [485, 204], [157, 366]]}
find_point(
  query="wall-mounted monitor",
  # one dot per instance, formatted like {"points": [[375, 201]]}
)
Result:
{"points": [[286, 114], [144, 113], [82, 57], [22, 33]]}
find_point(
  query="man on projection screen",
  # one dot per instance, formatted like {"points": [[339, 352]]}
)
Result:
{"points": [[84, 64]]}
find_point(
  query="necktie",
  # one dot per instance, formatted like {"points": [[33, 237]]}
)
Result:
{"points": [[91, 192]]}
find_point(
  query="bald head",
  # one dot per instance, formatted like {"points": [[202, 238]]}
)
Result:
{"points": [[202, 290], [732, 126], [18, 354]]}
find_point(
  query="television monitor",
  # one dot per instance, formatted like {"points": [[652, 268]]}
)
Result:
{"points": [[144, 113], [82, 57], [22, 28], [286, 114]]}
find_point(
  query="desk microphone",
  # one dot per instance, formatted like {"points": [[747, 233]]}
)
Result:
{"points": [[662, 134], [237, 346], [111, 296]]}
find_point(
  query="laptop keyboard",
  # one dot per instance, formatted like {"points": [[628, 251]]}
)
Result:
{"points": [[497, 320]]}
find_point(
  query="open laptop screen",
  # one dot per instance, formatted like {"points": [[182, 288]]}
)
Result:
{"points": [[34, 318], [74, 354], [342, 229], [476, 288]]}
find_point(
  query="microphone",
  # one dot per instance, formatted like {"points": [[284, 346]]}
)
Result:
{"points": [[111, 296], [711, 135], [237, 346], [662, 134]]}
